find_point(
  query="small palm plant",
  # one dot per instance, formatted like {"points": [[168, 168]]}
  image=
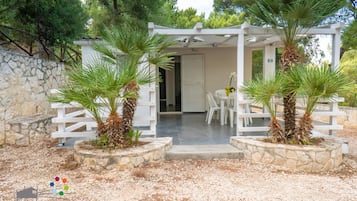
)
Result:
{"points": [[309, 81], [114, 79], [315, 82], [262, 91], [98, 86], [139, 50]]}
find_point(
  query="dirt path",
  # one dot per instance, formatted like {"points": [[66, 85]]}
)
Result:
{"points": [[38, 165]]}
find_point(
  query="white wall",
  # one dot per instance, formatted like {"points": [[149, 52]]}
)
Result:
{"points": [[218, 65]]}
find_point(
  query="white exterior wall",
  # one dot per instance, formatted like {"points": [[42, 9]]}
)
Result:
{"points": [[88, 54], [218, 65]]}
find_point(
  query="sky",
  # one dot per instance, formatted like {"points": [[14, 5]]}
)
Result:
{"points": [[202, 6]]}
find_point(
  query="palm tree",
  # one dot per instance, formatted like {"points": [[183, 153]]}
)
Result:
{"points": [[262, 91], [289, 18], [315, 83], [140, 50], [96, 85]]}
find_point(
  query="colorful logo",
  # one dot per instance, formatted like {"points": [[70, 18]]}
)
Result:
{"points": [[59, 186]]}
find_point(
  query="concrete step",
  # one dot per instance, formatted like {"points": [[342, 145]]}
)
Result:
{"points": [[203, 152]]}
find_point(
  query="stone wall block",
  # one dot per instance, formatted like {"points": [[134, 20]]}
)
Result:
{"points": [[16, 128], [291, 164], [256, 157], [157, 155], [13, 66], [338, 160], [303, 157], [138, 161], [291, 154], [124, 160], [267, 158], [322, 157], [305, 167], [23, 140], [34, 125], [280, 152], [248, 155], [148, 157], [103, 162], [329, 164], [279, 160], [89, 161]]}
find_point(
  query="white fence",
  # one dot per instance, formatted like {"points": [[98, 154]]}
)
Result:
{"points": [[324, 116], [73, 121]]}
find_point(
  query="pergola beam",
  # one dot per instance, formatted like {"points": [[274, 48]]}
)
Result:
{"points": [[246, 28], [187, 32]]}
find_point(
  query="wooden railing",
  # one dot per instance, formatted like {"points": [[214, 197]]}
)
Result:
{"points": [[74, 121], [324, 116]]}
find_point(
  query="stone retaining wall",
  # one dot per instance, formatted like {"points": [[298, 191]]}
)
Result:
{"points": [[152, 152], [24, 85], [324, 157]]}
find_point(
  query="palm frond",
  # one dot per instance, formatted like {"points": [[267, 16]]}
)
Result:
{"points": [[288, 18], [262, 91], [320, 82]]}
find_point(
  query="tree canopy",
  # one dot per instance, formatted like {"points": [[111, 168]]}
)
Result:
{"points": [[53, 21], [107, 13], [49, 23]]}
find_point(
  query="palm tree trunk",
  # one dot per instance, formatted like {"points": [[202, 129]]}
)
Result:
{"points": [[277, 131], [129, 106], [289, 114], [114, 130], [101, 128], [305, 128], [289, 56]]}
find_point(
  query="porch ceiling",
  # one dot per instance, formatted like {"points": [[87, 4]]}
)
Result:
{"points": [[254, 37]]}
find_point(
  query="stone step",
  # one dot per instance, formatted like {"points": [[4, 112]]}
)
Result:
{"points": [[203, 152]]}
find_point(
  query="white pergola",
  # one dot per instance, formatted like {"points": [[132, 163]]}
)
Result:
{"points": [[247, 36]]}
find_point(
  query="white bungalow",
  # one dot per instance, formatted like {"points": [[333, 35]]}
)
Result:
{"points": [[204, 60]]}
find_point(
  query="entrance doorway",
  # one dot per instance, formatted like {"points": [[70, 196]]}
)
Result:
{"points": [[182, 88], [170, 88]]}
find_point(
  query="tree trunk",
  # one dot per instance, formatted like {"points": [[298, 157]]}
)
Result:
{"points": [[115, 7], [305, 127], [114, 130], [129, 106], [101, 128], [277, 132], [289, 56], [289, 114]]}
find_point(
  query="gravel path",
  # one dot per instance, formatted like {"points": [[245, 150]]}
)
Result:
{"points": [[38, 165]]}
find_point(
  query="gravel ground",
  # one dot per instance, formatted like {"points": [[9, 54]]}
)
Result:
{"points": [[38, 165]]}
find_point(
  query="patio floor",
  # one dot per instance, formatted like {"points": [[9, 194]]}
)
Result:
{"points": [[191, 129]]}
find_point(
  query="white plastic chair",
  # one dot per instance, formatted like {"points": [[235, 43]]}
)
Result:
{"points": [[233, 109], [220, 92], [212, 108]]}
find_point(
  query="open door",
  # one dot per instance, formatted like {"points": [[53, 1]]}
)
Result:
{"points": [[170, 88], [193, 93]]}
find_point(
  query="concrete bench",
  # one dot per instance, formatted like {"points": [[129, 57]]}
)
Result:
{"points": [[25, 130]]}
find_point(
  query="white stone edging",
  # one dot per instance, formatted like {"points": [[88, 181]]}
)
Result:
{"points": [[326, 156], [120, 159]]}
